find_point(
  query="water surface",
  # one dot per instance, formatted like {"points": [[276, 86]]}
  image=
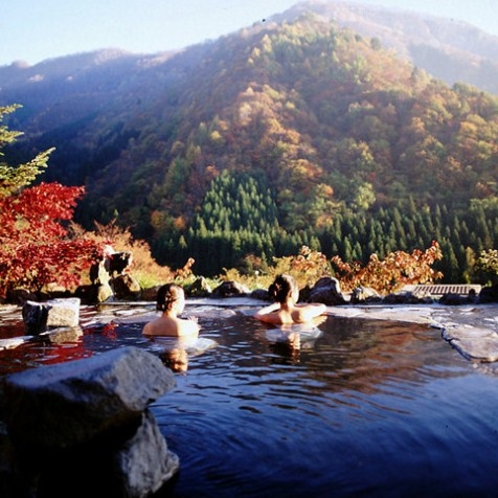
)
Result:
{"points": [[365, 408]]}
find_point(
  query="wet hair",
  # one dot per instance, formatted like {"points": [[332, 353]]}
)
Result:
{"points": [[167, 295], [284, 287]]}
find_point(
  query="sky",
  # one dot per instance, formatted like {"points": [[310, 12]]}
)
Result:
{"points": [[35, 30]]}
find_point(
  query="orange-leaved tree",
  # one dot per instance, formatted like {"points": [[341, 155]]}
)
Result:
{"points": [[35, 249], [397, 269]]}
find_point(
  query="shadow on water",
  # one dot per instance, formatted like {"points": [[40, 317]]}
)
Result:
{"points": [[349, 408]]}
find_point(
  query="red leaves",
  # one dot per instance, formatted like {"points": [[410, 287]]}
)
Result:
{"points": [[33, 251]]}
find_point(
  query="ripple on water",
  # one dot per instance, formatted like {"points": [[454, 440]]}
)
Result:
{"points": [[367, 408]]}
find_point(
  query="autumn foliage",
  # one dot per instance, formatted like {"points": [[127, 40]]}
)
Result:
{"points": [[35, 249], [397, 269]]}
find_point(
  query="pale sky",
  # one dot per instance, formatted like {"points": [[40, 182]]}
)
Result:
{"points": [[35, 30]]}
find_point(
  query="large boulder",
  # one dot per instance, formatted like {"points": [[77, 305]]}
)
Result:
{"points": [[135, 468], [89, 414], [75, 402]]}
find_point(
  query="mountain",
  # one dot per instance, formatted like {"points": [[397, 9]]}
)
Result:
{"points": [[293, 131], [453, 51]]}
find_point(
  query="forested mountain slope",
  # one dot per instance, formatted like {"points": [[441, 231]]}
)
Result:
{"points": [[453, 51], [283, 134]]}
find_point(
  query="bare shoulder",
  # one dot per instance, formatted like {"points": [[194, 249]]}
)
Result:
{"points": [[163, 326], [187, 328], [306, 312]]}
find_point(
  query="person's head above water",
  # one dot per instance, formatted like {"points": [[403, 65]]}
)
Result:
{"points": [[171, 302], [168, 296], [284, 310], [283, 288]]}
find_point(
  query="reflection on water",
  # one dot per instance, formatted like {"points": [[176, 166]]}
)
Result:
{"points": [[350, 408]]}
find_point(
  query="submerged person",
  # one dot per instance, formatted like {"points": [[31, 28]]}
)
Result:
{"points": [[171, 301], [284, 291]]}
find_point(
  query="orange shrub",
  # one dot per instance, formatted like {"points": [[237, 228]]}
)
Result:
{"points": [[393, 272]]}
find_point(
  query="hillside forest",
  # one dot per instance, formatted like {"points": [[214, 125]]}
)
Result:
{"points": [[283, 135]]}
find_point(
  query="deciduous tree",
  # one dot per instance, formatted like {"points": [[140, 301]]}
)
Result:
{"points": [[35, 249]]}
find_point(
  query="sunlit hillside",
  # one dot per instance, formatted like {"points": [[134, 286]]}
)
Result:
{"points": [[286, 133]]}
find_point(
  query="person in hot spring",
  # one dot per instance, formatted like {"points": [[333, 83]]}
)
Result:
{"points": [[171, 301], [284, 310]]}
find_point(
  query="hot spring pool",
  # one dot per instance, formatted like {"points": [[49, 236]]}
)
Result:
{"points": [[368, 408]]}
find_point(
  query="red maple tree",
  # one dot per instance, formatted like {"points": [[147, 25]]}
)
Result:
{"points": [[35, 249]]}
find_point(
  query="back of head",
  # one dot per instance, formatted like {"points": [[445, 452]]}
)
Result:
{"points": [[167, 295], [284, 287]]}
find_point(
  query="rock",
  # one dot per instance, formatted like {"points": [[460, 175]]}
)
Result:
{"points": [[144, 464], [230, 289], [99, 274], [138, 467], [62, 405], [261, 294], [20, 296], [489, 294], [199, 288], [451, 299], [39, 317], [420, 296], [473, 343], [362, 295], [326, 290], [118, 262], [397, 298], [150, 293], [95, 293], [88, 414], [108, 278], [125, 287], [408, 297], [61, 335]]}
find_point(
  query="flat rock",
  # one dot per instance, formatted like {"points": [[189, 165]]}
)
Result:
{"points": [[474, 343]]}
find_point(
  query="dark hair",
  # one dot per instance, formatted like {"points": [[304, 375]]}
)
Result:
{"points": [[283, 287], [167, 295]]}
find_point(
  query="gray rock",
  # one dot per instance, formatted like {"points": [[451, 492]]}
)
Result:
{"points": [[144, 464], [75, 402], [326, 290], [39, 317], [361, 295], [473, 343]]}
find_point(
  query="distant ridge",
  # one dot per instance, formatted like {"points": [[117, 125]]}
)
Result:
{"points": [[448, 49], [295, 131]]}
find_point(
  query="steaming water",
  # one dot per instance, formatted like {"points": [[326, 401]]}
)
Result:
{"points": [[377, 409]]}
